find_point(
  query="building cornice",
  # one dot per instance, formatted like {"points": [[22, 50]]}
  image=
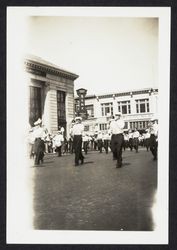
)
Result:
{"points": [[42, 69], [127, 93]]}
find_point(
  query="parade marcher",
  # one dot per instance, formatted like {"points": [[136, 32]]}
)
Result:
{"points": [[100, 141], [65, 146], [77, 132], [70, 141], [116, 127], [70, 144], [136, 135], [85, 140], [58, 142], [106, 141], [130, 139], [39, 145], [95, 142], [153, 128], [126, 138], [147, 139]]}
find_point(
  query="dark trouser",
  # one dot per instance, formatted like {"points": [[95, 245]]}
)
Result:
{"points": [[147, 143], [39, 148], [131, 143], [153, 146], [77, 145], [85, 146], [58, 150], [106, 143], [100, 145], [116, 147], [125, 144], [135, 144]]}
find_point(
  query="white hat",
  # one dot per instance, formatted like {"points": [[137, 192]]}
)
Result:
{"points": [[118, 113], [39, 121], [78, 118]]}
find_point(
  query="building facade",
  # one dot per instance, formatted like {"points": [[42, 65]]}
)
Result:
{"points": [[137, 108], [51, 94]]}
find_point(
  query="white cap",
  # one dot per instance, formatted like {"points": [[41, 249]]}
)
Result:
{"points": [[78, 118]]}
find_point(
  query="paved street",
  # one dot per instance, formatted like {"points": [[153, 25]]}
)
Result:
{"points": [[96, 195]]}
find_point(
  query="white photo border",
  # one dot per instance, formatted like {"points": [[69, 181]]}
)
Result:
{"points": [[18, 206]]}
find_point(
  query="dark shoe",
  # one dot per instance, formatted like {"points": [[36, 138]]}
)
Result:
{"points": [[76, 164], [118, 165]]}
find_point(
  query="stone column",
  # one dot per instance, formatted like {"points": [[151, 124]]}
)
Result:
{"points": [[46, 112]]}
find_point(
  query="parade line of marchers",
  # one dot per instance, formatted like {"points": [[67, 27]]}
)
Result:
{"points": [[41, 142]]}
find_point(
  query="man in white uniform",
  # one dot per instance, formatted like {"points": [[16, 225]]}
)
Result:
{"points": [[76, 132], [116, 128], [136, 135]]}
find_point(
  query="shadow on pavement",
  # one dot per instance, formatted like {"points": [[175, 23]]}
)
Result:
{"points": [[88, 162], [125, 164]]}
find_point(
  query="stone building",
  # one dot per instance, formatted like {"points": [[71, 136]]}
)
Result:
{"points": [[137, 107], [51, 94]]}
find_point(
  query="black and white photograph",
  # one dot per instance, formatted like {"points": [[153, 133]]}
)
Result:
{"points": [[88, 113]]}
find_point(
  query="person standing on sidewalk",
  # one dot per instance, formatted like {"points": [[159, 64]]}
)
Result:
{"points": [[116, 128], [76, 132]]}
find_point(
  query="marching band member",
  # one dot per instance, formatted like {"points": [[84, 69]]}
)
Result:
{"points": [[77, 131], [116, 127]]}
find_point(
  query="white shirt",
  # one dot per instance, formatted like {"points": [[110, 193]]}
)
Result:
{"points": [[58, 139], [77, 129], [106, 137], [136, 134], [154, 129], [39, 133], [130, 135], [147, 135], [100, 136], [85, 138], [125, 137], [116, 127]]}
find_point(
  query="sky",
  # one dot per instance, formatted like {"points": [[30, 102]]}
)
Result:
{"points": [[110, 54]]}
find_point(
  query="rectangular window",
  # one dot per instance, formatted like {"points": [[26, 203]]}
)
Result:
{"points": [[107, 109], [90, 110], [126, 125], [124, 107], [142, 105], [103, 126], [35, 105]]}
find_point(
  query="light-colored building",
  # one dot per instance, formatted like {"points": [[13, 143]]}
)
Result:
{"points": [[137, 108], [51, 94]]}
